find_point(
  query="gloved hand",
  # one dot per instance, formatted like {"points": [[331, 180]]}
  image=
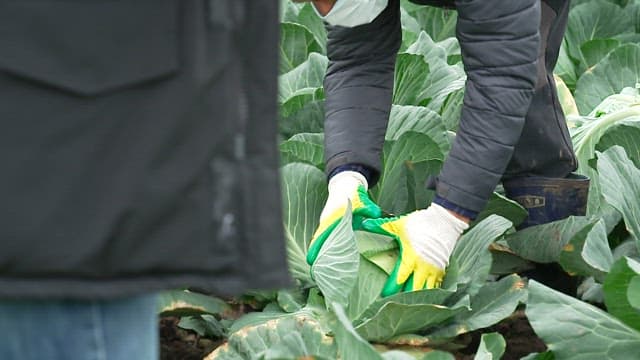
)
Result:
{"points": [[426, 239], [343, 187]]}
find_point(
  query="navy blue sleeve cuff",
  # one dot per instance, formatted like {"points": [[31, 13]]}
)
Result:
{"points": [[455, 208], [364, 170]]}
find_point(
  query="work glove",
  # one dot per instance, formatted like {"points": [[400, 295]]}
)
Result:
{"points": [[426, 239], [343, 187]]}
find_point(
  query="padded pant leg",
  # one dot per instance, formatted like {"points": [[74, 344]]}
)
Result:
{"points": [[545, 147]]}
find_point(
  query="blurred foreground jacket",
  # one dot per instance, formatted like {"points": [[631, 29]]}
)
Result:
{"points": [[138, 147]]}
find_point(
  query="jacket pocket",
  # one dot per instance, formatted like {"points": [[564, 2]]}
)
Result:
{"points": [[89, 47]]}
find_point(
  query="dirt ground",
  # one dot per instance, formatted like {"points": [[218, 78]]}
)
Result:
{"points": [[520, 338], [179, 344]]}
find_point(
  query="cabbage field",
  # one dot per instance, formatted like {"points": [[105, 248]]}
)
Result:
{"points": [[338, 313]]}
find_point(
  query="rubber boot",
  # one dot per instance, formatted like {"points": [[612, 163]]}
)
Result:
{"points": [[548, 200]]}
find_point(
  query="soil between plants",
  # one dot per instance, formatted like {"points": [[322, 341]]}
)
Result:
{"points": [[180, 344], [518, 334]]}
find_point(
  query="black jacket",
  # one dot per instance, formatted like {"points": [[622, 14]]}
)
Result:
{"points": [[499, 40], [138, 147]]}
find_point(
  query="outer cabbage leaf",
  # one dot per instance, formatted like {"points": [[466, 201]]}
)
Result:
{"points": [[573, 329], [304, 190], [623, 108]]}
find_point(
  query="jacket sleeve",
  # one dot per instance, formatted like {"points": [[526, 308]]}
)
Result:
{"points": [[358, 88], [499, 40]]}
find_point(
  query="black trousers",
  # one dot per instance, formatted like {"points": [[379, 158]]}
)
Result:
{"points": [[545, 147]]}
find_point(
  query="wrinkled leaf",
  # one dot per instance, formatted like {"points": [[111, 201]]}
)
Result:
{"points": [[588, 253], [621, 188], [502, 206], [392, 193], [385, 260], [203, 325], [291, 300], [627, 248], [397, 355], [406, 313], [308, 119], [443, 80], [594, 20], [471, 254], [336, 267], [420, 83], [256, 318], [306, 148], [615, 109], [289, 11], [305, 79], [293, 336], [438, 355], [368, 287], [404, 118], [593, 51], [426, 296], [591, 291], [566, 68], [633, 293], [411, 76], [394, 318], [544, 243], [492, 347], [296, 43], [308, 17], [626, 134], [432, 52], [304, 191], [616, 287], [439, 23], [619, 69], [494, 302], [573, 329], [452, 109], [371, 244], [185, 303], [350, 344], [547, 355], [505, 261]]}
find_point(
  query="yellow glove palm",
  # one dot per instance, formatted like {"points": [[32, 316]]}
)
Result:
{"points": [[426, 239], [411, 271]]}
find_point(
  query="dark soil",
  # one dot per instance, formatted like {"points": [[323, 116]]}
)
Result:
{"points": [[180, 344], [520, 338]]}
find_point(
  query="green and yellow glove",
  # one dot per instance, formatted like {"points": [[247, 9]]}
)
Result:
{"points": [[343, 187], [426, 239]]}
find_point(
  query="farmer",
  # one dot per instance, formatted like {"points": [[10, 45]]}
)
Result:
{"points": [[138, 154], [512, 128]]}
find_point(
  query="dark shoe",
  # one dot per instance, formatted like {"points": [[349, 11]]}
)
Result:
{"points": [[548, 200]]}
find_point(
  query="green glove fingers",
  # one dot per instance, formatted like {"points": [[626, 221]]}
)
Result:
{"points": [[362, 207], [411, 272]]}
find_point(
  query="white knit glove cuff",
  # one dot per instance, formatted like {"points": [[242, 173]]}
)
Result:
{"points": [[346, 181], [351, 13], [341, 186], [433, 232]]}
